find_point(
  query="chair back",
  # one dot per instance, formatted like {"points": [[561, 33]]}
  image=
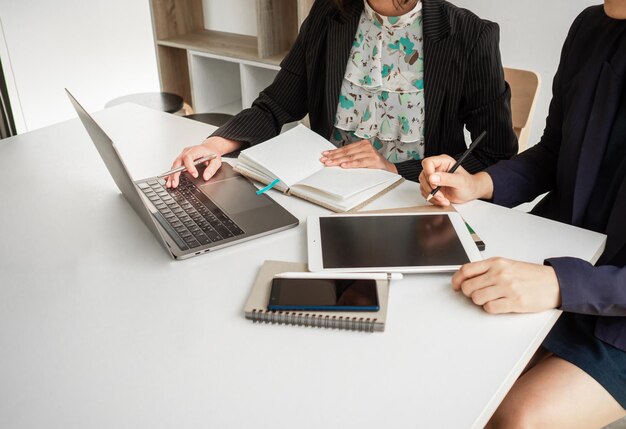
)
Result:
{"points": [[525, 86]]}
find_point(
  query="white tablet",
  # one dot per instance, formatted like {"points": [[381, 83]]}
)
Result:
{"points": [[405, 243]]}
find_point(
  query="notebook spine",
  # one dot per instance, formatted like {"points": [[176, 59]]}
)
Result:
{"points": [[364, 324]]}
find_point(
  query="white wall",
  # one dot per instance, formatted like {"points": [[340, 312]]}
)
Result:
{"points": [[532, 33], [231, 16], [97, 49]]}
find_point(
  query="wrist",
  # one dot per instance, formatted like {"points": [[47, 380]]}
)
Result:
{"points": [[554, 287], [220, 145], [483, 186], [392, 167]]}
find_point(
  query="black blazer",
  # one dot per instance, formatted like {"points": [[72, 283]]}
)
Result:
{"points": [[587, 92], [463, 78]]}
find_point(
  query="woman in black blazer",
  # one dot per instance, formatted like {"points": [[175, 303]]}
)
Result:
{"points": [[463, 86]]}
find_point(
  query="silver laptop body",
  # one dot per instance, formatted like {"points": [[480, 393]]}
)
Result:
{"points": [[198, 216]]}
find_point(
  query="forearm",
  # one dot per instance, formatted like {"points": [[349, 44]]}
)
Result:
{"points": [[590, 290], [483, 186], [222, 146], [525, 176]]}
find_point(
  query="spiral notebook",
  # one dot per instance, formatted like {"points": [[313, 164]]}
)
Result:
{"points": [[256, 305]]}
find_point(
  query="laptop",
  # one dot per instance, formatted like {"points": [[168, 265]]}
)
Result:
{"points": [[198, 216]]}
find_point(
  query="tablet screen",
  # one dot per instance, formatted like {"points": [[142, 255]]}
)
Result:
{"points": [[390, 241]]}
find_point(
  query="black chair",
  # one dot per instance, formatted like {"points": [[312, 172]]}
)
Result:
{"points": [[215, 119], [163, 101], [7, 123]]}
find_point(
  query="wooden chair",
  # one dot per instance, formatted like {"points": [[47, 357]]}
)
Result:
{"points": [[525, 86]]}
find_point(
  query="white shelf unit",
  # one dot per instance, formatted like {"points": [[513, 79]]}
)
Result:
{"points": [[226, 84], [214, 57], [254, 79], [221, 84]]}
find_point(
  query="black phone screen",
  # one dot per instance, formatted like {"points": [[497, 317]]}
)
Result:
{"points": [[323, 294]]}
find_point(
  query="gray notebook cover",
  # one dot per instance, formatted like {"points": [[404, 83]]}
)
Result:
{"points": [[256, 305]]}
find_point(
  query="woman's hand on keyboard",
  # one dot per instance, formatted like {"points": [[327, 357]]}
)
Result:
{"points": [[212, 145]]}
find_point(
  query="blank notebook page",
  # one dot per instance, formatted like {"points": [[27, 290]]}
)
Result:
{"points": [[291, 156], [345, 183]]}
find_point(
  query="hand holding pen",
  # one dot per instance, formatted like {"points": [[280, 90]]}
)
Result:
{"points": [[212, 148], [189, 159], [184, 168], [444, 181]]}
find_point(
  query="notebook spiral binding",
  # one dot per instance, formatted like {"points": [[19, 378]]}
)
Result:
{"points": [[313, 320]]}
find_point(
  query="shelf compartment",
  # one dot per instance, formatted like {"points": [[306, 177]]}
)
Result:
{"points": [[224, 44], [215, 83], [253, 81]]}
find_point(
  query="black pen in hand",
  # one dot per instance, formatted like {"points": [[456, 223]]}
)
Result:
{"points": [[458, 163]]}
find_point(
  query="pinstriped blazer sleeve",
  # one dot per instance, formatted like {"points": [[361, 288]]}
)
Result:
{"points": [[485, 106], [486, 103], [284, 101]]}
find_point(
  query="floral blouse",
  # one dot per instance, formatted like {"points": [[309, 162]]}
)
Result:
{"points": [[382, 94]]}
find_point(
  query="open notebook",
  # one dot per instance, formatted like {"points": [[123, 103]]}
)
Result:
{"points": [[256, 306], [293, 158]]}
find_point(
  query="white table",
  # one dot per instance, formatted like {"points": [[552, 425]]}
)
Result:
{"points": [[100, 329]]}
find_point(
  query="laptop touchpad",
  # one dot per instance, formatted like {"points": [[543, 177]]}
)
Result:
{"points": [[235, 195]]}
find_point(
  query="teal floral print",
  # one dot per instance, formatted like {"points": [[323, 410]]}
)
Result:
{"points": [[358, 40], [367, 115], [367, 80], [382, 94], [387, 68], [345, 102]]}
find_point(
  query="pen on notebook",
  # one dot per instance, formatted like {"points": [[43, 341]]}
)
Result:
{"points": [[183, 168], [458, 163], [340, 276]]}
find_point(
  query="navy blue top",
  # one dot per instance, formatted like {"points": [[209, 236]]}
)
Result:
{"points": [[611, 174], [572, 338], [568, 161]]}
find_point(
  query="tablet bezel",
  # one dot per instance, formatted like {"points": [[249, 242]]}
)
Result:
{"points": [[316, 261]]}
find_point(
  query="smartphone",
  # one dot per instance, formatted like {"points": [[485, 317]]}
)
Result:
{"points": [[312, 294]]}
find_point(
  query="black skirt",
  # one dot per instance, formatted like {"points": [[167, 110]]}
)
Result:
{"points": [[572, 338]]}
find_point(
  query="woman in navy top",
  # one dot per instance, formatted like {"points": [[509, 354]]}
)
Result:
{"points": [[578, 377]]}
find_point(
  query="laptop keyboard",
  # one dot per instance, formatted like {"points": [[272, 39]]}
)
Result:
{"points": [[189, 213]]}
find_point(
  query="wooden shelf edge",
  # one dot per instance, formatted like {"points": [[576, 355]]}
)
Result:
{"points": [[236, 46]]}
